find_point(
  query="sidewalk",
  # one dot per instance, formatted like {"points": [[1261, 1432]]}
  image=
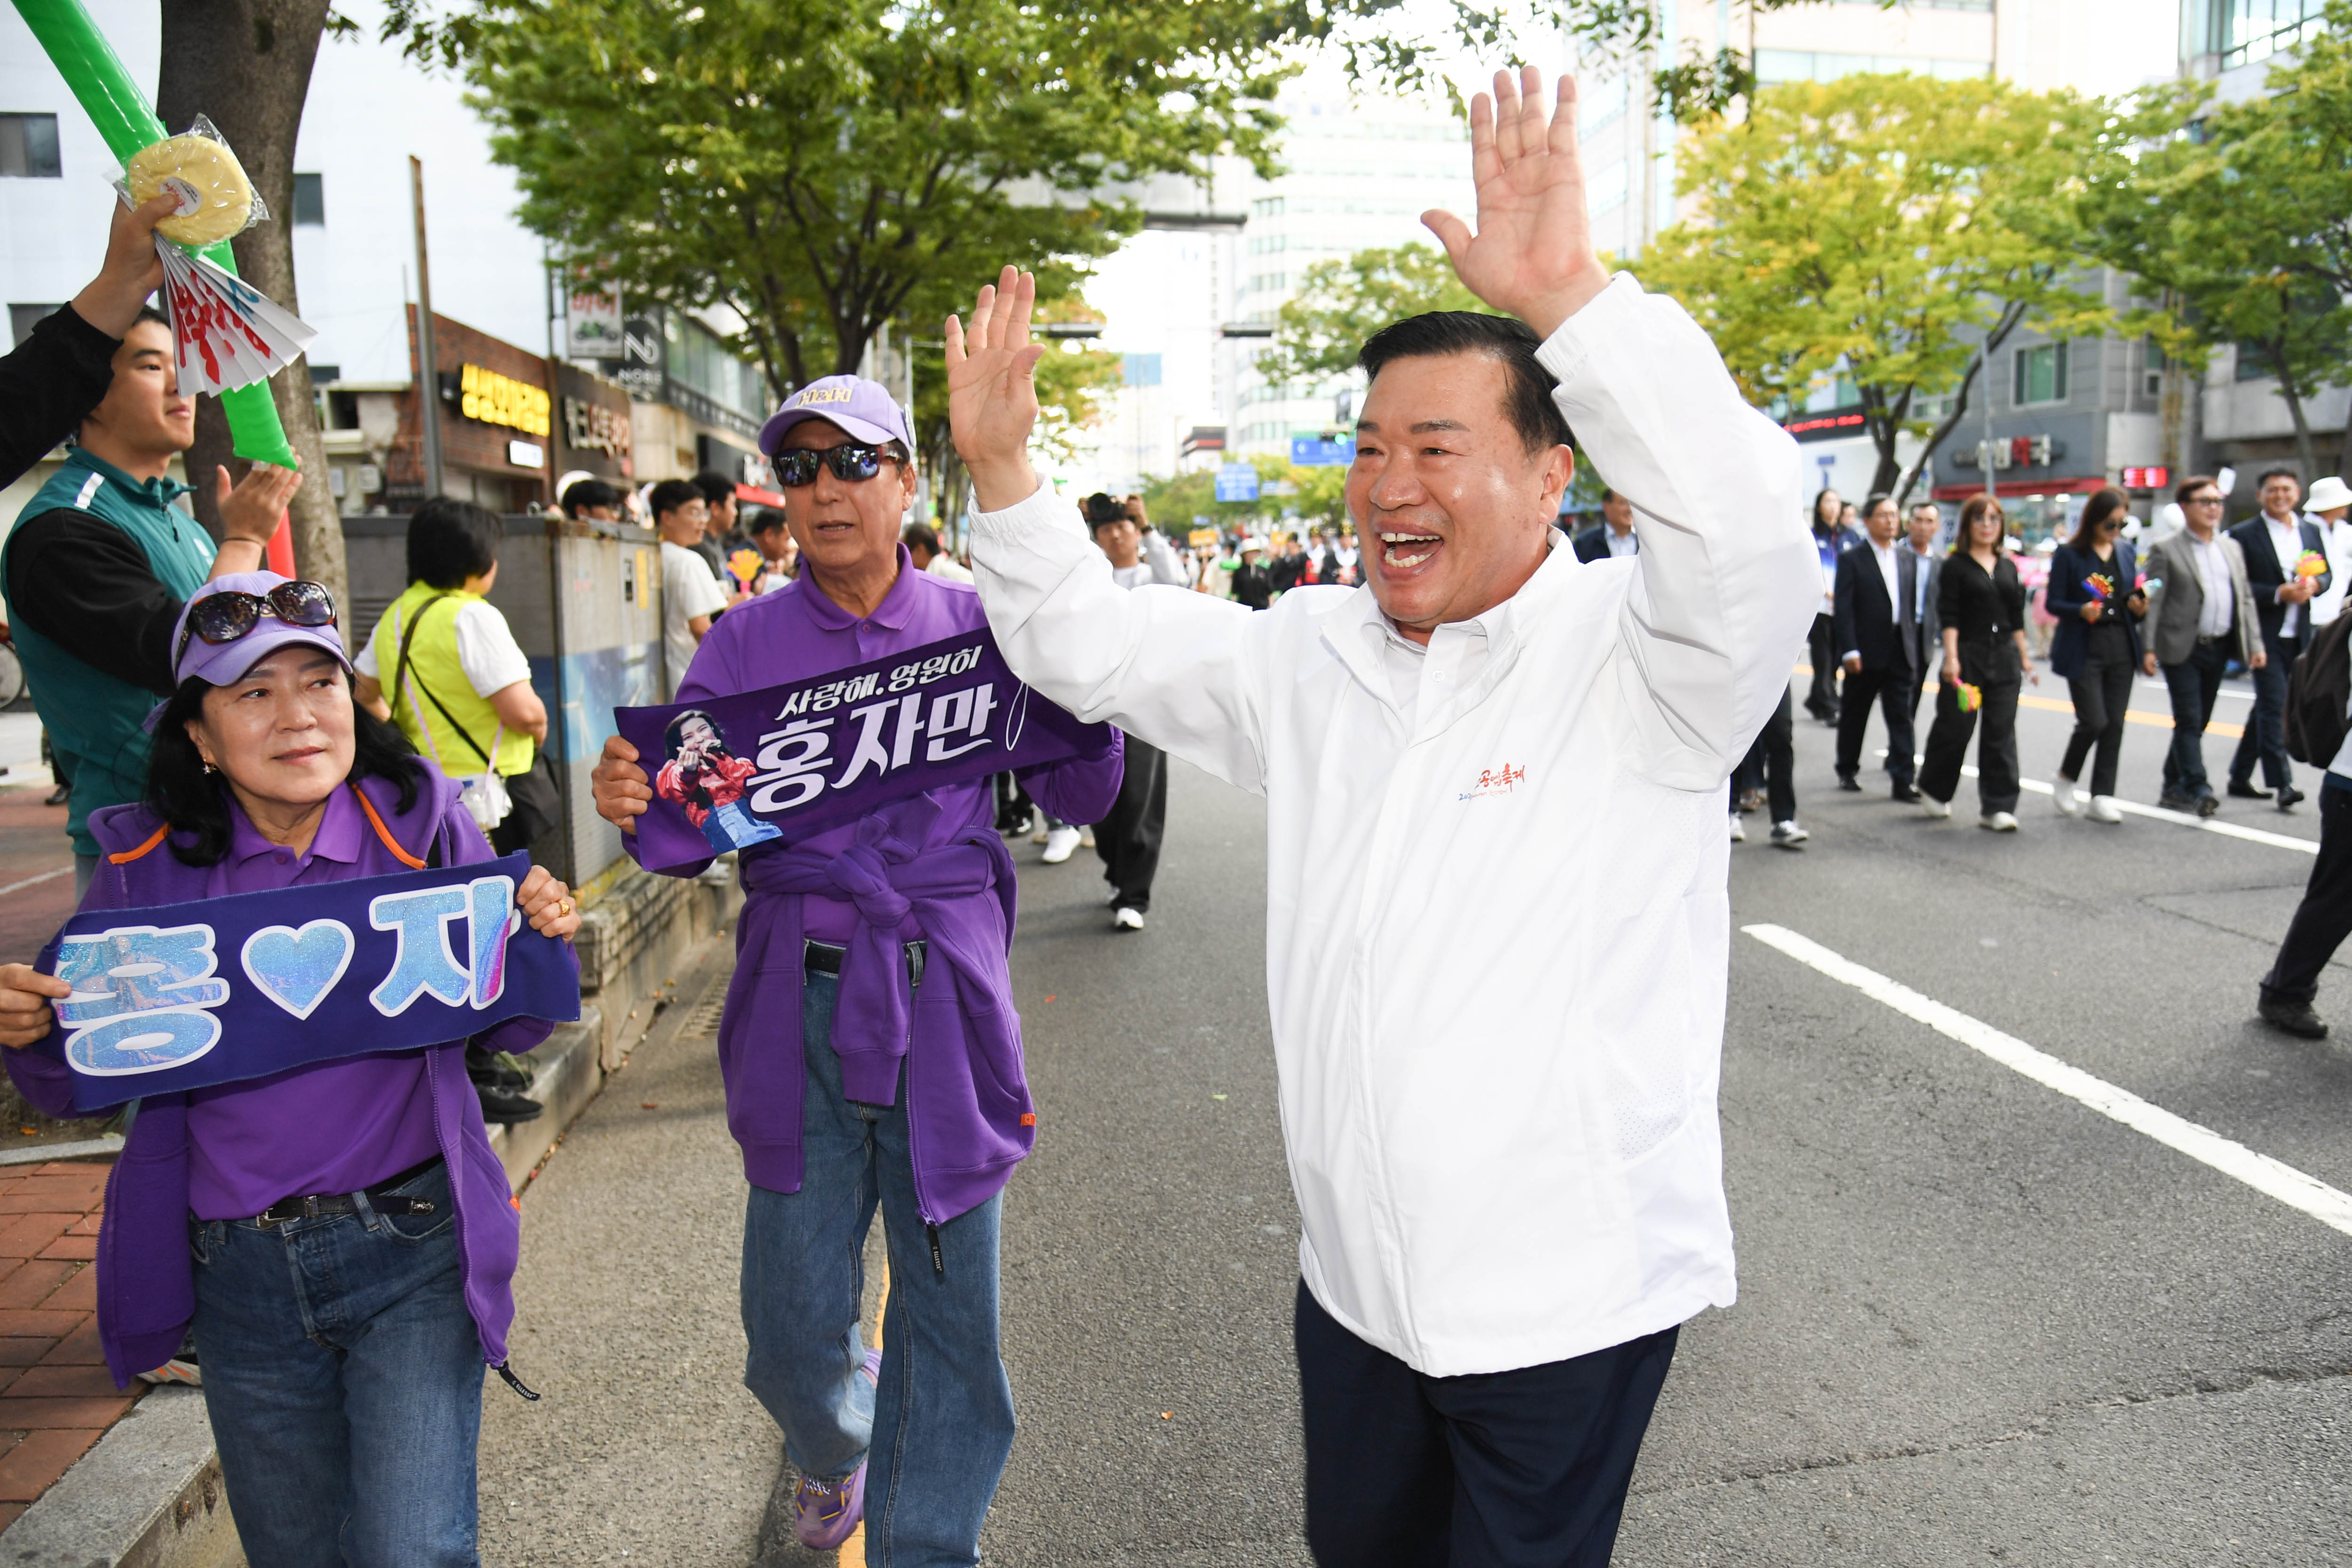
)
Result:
{"points": [[56, 1396]]}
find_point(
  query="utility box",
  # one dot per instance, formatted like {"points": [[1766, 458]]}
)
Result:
{"points": [[584, 599]]}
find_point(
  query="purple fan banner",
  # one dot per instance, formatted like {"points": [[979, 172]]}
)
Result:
{"points": [[740, 771], [181, 996]]}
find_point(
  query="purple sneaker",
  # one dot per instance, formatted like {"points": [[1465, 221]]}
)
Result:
{"points": [[826, 1513]]}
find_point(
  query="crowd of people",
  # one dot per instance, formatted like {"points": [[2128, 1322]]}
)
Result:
{"points": [[1487, 1307]]}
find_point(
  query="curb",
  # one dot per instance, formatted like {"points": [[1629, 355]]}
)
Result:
{"points": [[147, 1495]]}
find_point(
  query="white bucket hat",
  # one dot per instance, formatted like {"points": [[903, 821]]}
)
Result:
{"points": [[2327, 494]]}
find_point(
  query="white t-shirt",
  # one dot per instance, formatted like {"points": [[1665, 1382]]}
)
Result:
{"points": [[2335, 540], [487, 649], [687, 590]]}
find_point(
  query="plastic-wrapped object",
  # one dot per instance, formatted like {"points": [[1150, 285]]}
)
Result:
{"points": [[218, 202]]}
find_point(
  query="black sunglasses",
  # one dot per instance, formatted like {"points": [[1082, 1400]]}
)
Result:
{"points": [[848, 461], [225, 617]]}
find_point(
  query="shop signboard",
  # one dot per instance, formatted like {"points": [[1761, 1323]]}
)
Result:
{"points": [[592, 324]]}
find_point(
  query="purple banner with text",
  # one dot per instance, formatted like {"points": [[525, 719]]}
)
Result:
{"points": [[735, 772]]}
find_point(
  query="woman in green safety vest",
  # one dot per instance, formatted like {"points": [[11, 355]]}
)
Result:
{"points": [[442, 664]]}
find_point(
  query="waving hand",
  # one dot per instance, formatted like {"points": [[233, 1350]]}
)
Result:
{"points": [[1533, 254], [993, 391]]}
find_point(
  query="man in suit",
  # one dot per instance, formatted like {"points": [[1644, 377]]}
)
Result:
{"points": [[2200, 615], [1926, 542], [1613, 534], [1876, 622], [2273, 543]]}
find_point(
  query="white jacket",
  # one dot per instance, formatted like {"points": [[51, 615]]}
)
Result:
{"points": [[1495, 942]]}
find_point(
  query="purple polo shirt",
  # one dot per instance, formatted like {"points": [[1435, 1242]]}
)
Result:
{"points": [[252, 1143], [796, 633]]}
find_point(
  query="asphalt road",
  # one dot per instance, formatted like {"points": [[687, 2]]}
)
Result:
{"points": [[1978, 1320]]}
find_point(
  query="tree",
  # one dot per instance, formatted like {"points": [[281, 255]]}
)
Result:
{"points": [[246, 64], [2243, 213], [1340, 303], [1075, 385], [1893, 228]]}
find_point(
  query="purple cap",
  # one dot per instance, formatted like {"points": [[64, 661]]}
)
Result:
{"points": [[220, 663], [863, 408]]}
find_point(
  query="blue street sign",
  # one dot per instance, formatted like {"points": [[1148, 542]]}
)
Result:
{"points": [[1237, 481], [1314, 452]]}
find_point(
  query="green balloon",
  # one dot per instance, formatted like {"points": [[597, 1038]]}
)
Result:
{"points": [[126, 122]]}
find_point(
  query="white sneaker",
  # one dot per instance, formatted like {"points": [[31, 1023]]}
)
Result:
{"points": [[2103, 809], [1061, 842], [1739, 831], [1127, 919], [2068, 798], [1997, 822], [1930, 807], [1788, 834]]}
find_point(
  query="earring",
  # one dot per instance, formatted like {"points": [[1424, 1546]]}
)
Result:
{"points": [[210, 771]]}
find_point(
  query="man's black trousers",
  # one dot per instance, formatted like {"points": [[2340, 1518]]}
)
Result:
{"points": [[1506, 1469], [1771, 765], [2265, 735], [1820, 646], [1895, 690], [2324, 919], [1129, 838]]}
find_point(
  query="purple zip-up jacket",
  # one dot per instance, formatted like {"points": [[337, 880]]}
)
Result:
{"points": [[146, 1283], [929, 866]]}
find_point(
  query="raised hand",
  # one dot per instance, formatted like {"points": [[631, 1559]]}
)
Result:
{"points": [[993, 391], [1533, 254]]}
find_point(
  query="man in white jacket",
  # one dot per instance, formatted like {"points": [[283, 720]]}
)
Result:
{"points": [[1497, 926]]}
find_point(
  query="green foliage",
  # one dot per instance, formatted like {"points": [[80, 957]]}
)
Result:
{"points": [[1895, 229], [2241, 214], [1317, 497], [1075, 382], [1340, 303], [823, 170]]}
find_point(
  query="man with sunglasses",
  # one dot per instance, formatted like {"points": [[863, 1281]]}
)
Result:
{"points": [[826, 1080], [99, 565]]}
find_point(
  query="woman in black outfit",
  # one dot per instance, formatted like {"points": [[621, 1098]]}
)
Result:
{"points": [[2096, 648], [1982, 603]]}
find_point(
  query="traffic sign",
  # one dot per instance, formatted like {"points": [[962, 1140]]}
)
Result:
{"points": [[1237, 481]]}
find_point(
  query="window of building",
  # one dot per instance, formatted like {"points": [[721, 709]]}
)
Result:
{"points": [[1824, 65], [28, 147], [2041, 375], [2254, 362], [21, 319], [2245, 30], [311, 199]]}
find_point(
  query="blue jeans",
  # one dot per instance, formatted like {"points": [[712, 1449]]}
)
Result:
{"points": [[343, 1378], [2193, 683], [937, 1433]]}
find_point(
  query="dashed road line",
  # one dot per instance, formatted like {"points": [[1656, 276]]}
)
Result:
{"points": [[2269, 1177]]}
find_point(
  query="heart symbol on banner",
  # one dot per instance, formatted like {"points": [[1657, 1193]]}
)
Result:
{"points": [[297, 969]]}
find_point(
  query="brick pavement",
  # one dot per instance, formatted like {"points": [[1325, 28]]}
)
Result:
{"points": [[56, 1397]]}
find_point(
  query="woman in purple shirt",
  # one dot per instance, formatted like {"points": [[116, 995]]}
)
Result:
{"points": [[341, 1236]]}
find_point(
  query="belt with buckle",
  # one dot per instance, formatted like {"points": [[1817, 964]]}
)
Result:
{"points": [[824, 958], [286, 1211]]}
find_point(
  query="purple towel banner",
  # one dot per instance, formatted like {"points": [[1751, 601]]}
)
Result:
{"points": [[181, 996], [736, 772]]}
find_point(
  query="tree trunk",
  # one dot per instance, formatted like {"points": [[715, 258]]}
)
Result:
{"points": [[245, 64], [2302, 445]]}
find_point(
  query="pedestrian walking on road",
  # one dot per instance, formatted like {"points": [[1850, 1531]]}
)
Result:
{"points": [[1831, 538], [1982, 609], [1883, 649], [870, 1045], [2096, 594], [2277, 545], [1771, 765], [1613, 535], [2200, 615], [2324, 919], [338, 1236], [100, 563], [1253, 581], [1128, 839], [2325, 509], [1499, 1103]]}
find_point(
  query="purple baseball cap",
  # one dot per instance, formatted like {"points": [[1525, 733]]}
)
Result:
{"points": [[863, 408], [220, 663]]}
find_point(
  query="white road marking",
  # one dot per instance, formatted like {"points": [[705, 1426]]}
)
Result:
{"points": [[44, 876], [2288, 1186], [2134, 808]]}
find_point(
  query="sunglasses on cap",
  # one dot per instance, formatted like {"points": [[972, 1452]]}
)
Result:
{"points": [[848, 461], [225, 616]]}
